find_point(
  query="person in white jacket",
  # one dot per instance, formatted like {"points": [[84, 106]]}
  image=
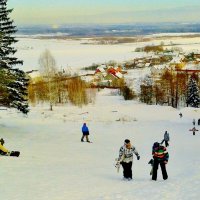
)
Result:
{"points": [[126, 158]]}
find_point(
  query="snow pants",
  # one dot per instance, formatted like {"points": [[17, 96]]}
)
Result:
{"points": [[155, 169], [127, 167], [85, 134], [87, 139]]}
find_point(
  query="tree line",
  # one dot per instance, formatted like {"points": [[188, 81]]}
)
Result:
{"points": [[172, 88]]}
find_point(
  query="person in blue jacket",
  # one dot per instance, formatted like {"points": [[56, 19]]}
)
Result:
{"points": [[85, 132]]}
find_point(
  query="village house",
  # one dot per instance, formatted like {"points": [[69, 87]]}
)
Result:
{"points": [[105, 76]]}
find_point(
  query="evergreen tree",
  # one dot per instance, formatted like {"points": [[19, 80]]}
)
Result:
{"points": [[13, 81], [193, 93], [146, 90]]}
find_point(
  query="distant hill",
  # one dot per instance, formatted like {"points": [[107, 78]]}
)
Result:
{"points": [[108, 30]]}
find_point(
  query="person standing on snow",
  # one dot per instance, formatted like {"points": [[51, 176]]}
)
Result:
{"points": [[126, 158], [160, 157], [166, 139], [193, 122], [85, 132]]}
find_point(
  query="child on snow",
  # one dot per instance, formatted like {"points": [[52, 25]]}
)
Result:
{"points": [[85, 132], [160, 157], [126, 158]]}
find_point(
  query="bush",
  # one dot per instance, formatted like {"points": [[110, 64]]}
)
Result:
{"points": [[128, 93]]}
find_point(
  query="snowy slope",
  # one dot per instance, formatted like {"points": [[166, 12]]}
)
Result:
{"points": [[55, 165]]}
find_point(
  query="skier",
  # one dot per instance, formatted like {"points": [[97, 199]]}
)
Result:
{"points": [[198, 121], [126, 158], [160, 156], [3, 150], [166, 139], [193, 122], [181, 115], [85, 132]]}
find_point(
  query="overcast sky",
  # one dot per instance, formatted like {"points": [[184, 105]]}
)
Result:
{"points": [[57, 12]]}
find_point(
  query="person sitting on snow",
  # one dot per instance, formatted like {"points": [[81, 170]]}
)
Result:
{"points": [[160, 156], [3, 150], [126, 158]]}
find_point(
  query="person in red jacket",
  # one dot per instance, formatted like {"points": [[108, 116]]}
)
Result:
{"points": [[160, 156]]}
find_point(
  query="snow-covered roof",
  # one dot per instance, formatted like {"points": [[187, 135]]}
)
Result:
{"points": [[176, 59], [147, 64], [118, 74], [101, 68], [159, 67]]}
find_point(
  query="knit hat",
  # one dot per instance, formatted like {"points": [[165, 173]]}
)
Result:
{"points": [[156, 144], [126, 141]]}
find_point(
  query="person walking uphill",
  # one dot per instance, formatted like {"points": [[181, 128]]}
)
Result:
{"points": [[166, 139], [160, 156], [126, 158], [85, 132]]}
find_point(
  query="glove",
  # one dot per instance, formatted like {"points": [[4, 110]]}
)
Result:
{"points": [[138, 157], [165, 162], [117, 164]]}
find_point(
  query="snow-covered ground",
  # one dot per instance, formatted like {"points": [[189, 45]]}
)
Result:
{"points": [[74, 55], [55, 165]]}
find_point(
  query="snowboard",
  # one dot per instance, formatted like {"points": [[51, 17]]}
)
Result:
{"points": [[87, 142], [15, 153], [12, 153], [117, 165], [151, 163]]}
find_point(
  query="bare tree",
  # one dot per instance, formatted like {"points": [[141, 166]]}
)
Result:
{"points": [[48, 70]]}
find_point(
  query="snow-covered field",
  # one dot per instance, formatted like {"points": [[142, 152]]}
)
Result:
{"points": [[73, 55], [55, 165]]}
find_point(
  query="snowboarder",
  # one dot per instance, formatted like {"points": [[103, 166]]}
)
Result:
{"points": [[193, 130], [181, 115], [126, 158], [193, 122], [85, 132], [3, 150], [166, 139], [160, 156]]}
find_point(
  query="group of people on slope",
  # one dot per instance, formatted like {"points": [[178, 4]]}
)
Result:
{"points": [[159, 153], [126, 152]]}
